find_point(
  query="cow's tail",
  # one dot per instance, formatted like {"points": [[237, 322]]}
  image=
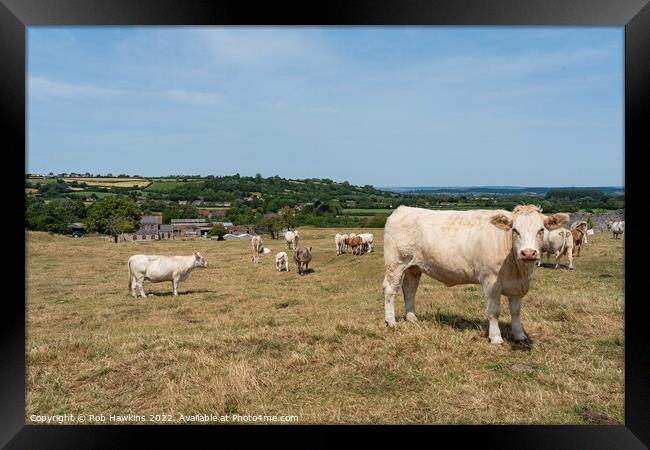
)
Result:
{"points": [[564, 236], [128, 264]]}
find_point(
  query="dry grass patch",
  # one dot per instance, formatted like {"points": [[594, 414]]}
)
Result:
{"points": [[246, 339]]}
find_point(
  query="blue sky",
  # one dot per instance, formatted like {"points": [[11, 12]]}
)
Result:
{"points": [[386, 106]]}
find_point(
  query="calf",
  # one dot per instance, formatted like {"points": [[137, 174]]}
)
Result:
{"points": [[280, 260], [302, 257], [161, 268], [496, 249]]}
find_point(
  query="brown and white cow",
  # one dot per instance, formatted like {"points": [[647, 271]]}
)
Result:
{"points": [[302, 257], [579, 238], [582, 226], [496, 249], [256, 242], [355, 243]]}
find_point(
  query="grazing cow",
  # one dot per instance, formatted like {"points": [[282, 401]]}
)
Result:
{"points": [[280, 260], [338, 241], [367, 239], [496, 249], [557, 242], [356, 244], [256, 242], [578, 239], [617, 228], [291, 238], [161, 268], [302, 257], [582, 226]]}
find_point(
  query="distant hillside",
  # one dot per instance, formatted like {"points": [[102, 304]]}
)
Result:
{"points": [[498, 190]]}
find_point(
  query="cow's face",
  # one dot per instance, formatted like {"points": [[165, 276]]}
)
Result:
{"points": [[200, 260], [527, 225]]}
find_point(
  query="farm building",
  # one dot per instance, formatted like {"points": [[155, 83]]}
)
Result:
{"points": [[77, 229], [191, 227], [150, 222]]}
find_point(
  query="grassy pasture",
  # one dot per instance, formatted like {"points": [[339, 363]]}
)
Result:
{"points": [[246, 339]]}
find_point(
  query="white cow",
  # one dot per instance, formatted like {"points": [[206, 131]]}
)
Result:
{"points": [[367, 239], [617, 228], [281, 259], [161, 268], [496, 249], [256, 242], [557, 242], [292, 238], [590, 232], [339, 242]]}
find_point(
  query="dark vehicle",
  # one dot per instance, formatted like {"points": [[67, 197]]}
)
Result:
{"points": [[77, 234]]}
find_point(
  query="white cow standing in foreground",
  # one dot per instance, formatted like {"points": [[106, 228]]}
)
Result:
{"points": [[496, 249], [161, 268]]}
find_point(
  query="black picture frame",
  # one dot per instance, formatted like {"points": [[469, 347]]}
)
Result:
{"points": [[634, 15]]}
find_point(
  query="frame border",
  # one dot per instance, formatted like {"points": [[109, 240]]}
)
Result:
{"points": [[634, 15]]}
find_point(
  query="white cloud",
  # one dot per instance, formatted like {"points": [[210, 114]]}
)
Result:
{"points": [[195, 97], [44, 88], [262, 47]]}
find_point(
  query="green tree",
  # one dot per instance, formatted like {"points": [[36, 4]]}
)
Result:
{"points": [[54, 216], [180, 212], [218, 230], [270, 222], [114, 215], [287, 217]]}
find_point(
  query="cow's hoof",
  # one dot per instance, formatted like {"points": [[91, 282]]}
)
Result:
{"points": [[496, 340], [391, 323], [410, 317]]}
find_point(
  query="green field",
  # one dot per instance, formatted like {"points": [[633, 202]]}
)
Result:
{"points": [[366, 212], [244, 338], [166, 186]]}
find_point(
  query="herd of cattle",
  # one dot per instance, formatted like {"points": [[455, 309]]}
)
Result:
{"points": [[497, 249]]}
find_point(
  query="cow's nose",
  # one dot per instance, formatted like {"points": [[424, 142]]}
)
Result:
{"points": [[529, 253]]}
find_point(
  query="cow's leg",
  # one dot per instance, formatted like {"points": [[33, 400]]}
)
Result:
{"points": [[409, 288], [392, 282], [140, 281], [134, 283], [175, 282], [515, 308], [569, 255], [557, 259], [493, 307]]}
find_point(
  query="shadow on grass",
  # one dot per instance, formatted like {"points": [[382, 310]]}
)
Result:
{"points": [[461, 323], [307, 271], [180, 293]]}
